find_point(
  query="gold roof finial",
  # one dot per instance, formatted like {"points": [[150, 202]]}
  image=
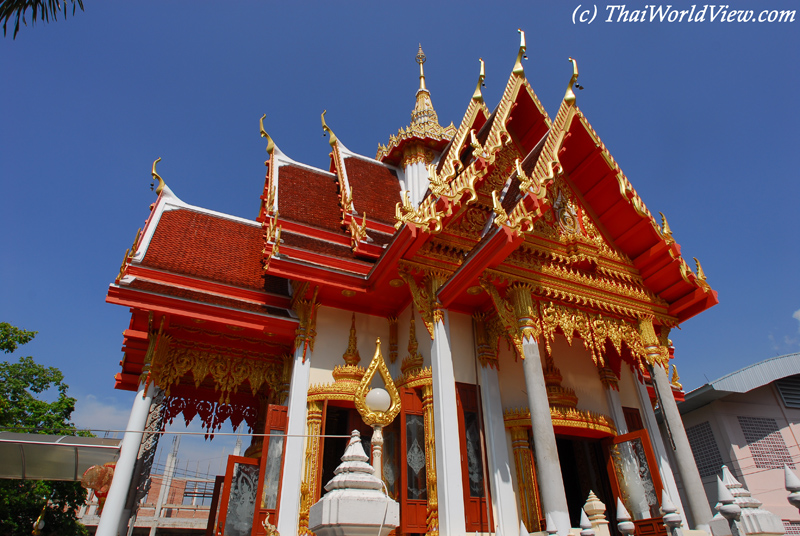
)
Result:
{"points": [[665, 230], [421, 59], [675, 381], [569, 96], [157, 177], [351, 355], [518, 69], [478, 95], [328, 130], [270, 143], [701, 275]]}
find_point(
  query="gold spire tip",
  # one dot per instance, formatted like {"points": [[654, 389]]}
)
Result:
{"points": [[421, 59], [157, 177], [478, 95], [701, 275], [518, 69], [665, 230], [270, 143], [328, 130], [569, 96]]}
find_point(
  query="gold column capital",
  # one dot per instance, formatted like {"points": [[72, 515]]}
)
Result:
{"points": [[654, 352]]}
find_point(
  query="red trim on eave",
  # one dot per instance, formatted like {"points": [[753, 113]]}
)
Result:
{"points": [[323, 260], [499, 246], [211, 313], [315, 274], [207, 286], [408, 238]]}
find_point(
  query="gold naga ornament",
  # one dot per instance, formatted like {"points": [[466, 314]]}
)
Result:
{"points": [[376, 417]]}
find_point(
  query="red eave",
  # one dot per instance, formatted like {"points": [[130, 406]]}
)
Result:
{"points": [[172, 306], [487, 254], [633, 232]]}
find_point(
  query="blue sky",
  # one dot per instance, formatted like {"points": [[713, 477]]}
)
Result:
{"points": [[702, 118]]}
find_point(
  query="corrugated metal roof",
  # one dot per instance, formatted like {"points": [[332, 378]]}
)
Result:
{"points": [[759, 374], [742, 381]]}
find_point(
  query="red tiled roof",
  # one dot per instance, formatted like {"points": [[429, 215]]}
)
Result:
{"points": [[204, 297], [309, 197], [196, 244], [322, 247], [376, 189]]}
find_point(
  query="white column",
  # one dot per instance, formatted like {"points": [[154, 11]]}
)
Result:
{"points": [[295, 445], [664, 468], [684, 459], [503, 495], [113, 518], [548, 466], [445, 423], [615, 409]]}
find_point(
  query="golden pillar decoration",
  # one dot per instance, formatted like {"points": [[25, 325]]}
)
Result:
{"points": [[351, 355], [526, 478], [654, 352], [430, 461], [525, 310], [424, 297], [310, 488], [413, 362], [306, 310], [486, 335], [608, 378]]}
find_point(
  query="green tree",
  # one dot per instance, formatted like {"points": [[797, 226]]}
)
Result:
{"points": [[21, 410], [43, 9]]}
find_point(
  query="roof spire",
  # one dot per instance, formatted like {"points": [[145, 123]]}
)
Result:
{"points": [[423, 113], [328, 130], [157, 177], [518, 69], [421, 59], [569, 96], [478, 95], [270, 143]]}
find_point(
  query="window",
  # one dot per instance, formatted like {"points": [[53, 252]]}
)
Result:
{"points": [[789, 388], [766, 442], [792, 527], [198, 492], [705, 449]]}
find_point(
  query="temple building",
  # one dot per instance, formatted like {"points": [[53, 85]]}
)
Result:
{"points": [[516, 286]]}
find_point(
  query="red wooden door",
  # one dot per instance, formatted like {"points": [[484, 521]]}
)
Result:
{"points": [[413, 481], [477, 506], [635, 478], [271, 468]]}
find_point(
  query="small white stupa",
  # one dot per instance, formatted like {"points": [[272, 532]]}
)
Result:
{"points": [[755, 520], [355, 503]]}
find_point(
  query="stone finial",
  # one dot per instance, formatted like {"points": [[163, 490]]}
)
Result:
{"points": [[754, 519], [551, 527], [355, 502], [792, 484], [595, 508], [624, 523], [586, 525], [522, 530], [596, 511], [726, 507], [672, 519]]}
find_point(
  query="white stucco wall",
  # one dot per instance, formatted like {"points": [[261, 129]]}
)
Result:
{"points": [[333, 333], [767, 485], [580, 373]]}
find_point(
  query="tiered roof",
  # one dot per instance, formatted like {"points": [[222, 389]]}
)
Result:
{"points": [[514, 196]]}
